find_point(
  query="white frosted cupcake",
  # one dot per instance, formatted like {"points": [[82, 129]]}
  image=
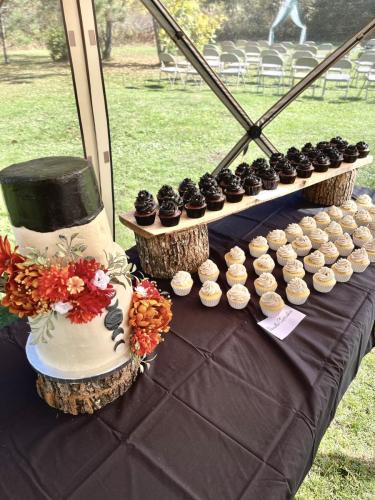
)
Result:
{"points": [[370, 249], [265, 283], [324, 280], [235, 256], [210, 294], [271, 304], [297, 291], [344, 244], [362, 217], [330, 252], [335, 213], [334, 230], [182, 283], [322, 219], [371, 226], [307, 224], [361, 236], [343, 270], [292, 232], [236, 274], [318, 237], [359, 260], [302, 245], [285, 254], [264, 264], [348, 224], [276, 238], [238, 296], [364, 201], [293, 270], [208, 271], [371, 211], [258, 246], [349, 207], [314, 261]]}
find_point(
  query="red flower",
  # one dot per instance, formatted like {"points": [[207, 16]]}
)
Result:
{"points": [[147, 289], [88, 305], [85, 269], [8, 258], [52, 285], [144, 342]]}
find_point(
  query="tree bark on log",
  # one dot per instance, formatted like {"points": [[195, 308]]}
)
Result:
{"points": [[332, 191], [86, 396], [162, 256]]}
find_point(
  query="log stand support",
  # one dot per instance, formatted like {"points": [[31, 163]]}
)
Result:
{"points": [[86, 396], [163, 255], [333, 191]]}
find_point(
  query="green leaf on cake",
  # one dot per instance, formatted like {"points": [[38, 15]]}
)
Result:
{"points": [[42, 328]]}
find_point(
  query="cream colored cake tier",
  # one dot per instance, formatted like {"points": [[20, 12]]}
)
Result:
{"points": [[92, 348]]}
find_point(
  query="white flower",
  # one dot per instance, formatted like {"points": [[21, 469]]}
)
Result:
{"points": [[100, 280], [141, 290], [62, 307]]}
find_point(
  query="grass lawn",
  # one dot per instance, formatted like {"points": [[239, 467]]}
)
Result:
{"points": [[161, 135]]}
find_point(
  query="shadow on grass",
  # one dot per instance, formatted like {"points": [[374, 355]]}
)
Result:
{"points": [[343, 465], [28, 78]]}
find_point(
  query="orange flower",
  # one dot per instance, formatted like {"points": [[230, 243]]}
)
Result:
{"points": [[151, 314], [8, 258], [144, 342], [75, 285], [52, 285]]}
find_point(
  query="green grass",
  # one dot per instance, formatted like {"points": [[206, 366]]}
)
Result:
{"points": [[160, 135]]}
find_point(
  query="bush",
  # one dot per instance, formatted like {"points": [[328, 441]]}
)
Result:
{"points": [[56, 44]]}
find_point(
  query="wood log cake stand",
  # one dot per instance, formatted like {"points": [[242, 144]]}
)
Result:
{"points": [[165, 250], [86, 396]]}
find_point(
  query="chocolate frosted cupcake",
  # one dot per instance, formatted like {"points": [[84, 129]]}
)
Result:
{"points": [[196, 206], [304, 168], [270, 179], [164, 192], [336, 158], [288, 174], [275, 158], [363, 149], [185, 185], [323, 145], [223, 177], [234, 191], [214, 198], [252, 184], [280, 164], [339, 143], [307, 148], [242, 170], [206, 181], [321, 163], [313, 153], [292, 154], [260, 163], [351, 154], [145, 208], [169, 213], [191, 191]]}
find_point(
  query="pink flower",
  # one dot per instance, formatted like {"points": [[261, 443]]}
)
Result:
{"points": [[100, 280], [62, 307]]}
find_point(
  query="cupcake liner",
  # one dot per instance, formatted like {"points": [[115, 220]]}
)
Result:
{"points": [[358, 243], [261, 271], [210, 302], [342, 278], [256, 252], [270, 313], [283, 261], [235, 280], [275, 246], [208, 277], [288, 277], [252, 190], [216, 205], [344, 251], [371, 257], [316, 244], [319, 287], [296, 300], [260, 290], [290, 237], [238, 305], [312, 268], [302, 252], [330, 260], [358, 267], [182, 291], [333, 237], [229, 261]]}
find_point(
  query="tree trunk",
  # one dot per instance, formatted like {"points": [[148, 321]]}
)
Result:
{"points": [[86, 396], [332, 191], [108, 38], [157, 37], [162, 256], [3, 42]]}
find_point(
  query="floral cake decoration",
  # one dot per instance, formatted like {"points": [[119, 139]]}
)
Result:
{"points": [[80, 288]]}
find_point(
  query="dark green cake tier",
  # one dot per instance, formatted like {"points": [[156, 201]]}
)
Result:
{"points": [[48, 194]]}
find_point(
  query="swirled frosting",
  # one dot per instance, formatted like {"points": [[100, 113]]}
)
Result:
{"points": [[237, 270], [348, 221], [359, 255], [333, 228], [236, 253], [238, 293], [271, 299], [364, 200], [344, 240], [286, 252], [181, 278], [259, 241], [363, 233], [349, 206], [362, 217], [318, 235], [294, 229], [276, 235], [302, 242], [266, 280], [343, 266], [210, 288], [370, 246], [334, 212], [328, 249], [325, 275], [322, 218], [264, 261], [293, 267], [297, 285], [208, 267], [316, 258], [307, 222]]}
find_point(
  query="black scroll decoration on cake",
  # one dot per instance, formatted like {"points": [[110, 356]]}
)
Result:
{"points": [[112, 321]]}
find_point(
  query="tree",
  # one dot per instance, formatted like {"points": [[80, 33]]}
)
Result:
{"points": [[109, 12], [2, 35]]}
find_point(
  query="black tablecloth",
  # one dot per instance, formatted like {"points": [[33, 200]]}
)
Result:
{"points": [[226, 411]]}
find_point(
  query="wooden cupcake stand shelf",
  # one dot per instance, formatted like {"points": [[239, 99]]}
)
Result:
{"points": [[165, 250]]}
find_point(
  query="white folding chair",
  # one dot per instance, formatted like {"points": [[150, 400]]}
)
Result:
{"points": [[232, 66], [170, 67], [363, 66], [301, 67], [212, 56], [339, 73], [271, 66]]}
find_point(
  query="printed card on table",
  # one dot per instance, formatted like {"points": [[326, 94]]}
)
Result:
{"points": [[284, 323]]}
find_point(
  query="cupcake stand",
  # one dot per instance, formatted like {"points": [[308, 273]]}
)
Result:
{"points": [[165, 250]]}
